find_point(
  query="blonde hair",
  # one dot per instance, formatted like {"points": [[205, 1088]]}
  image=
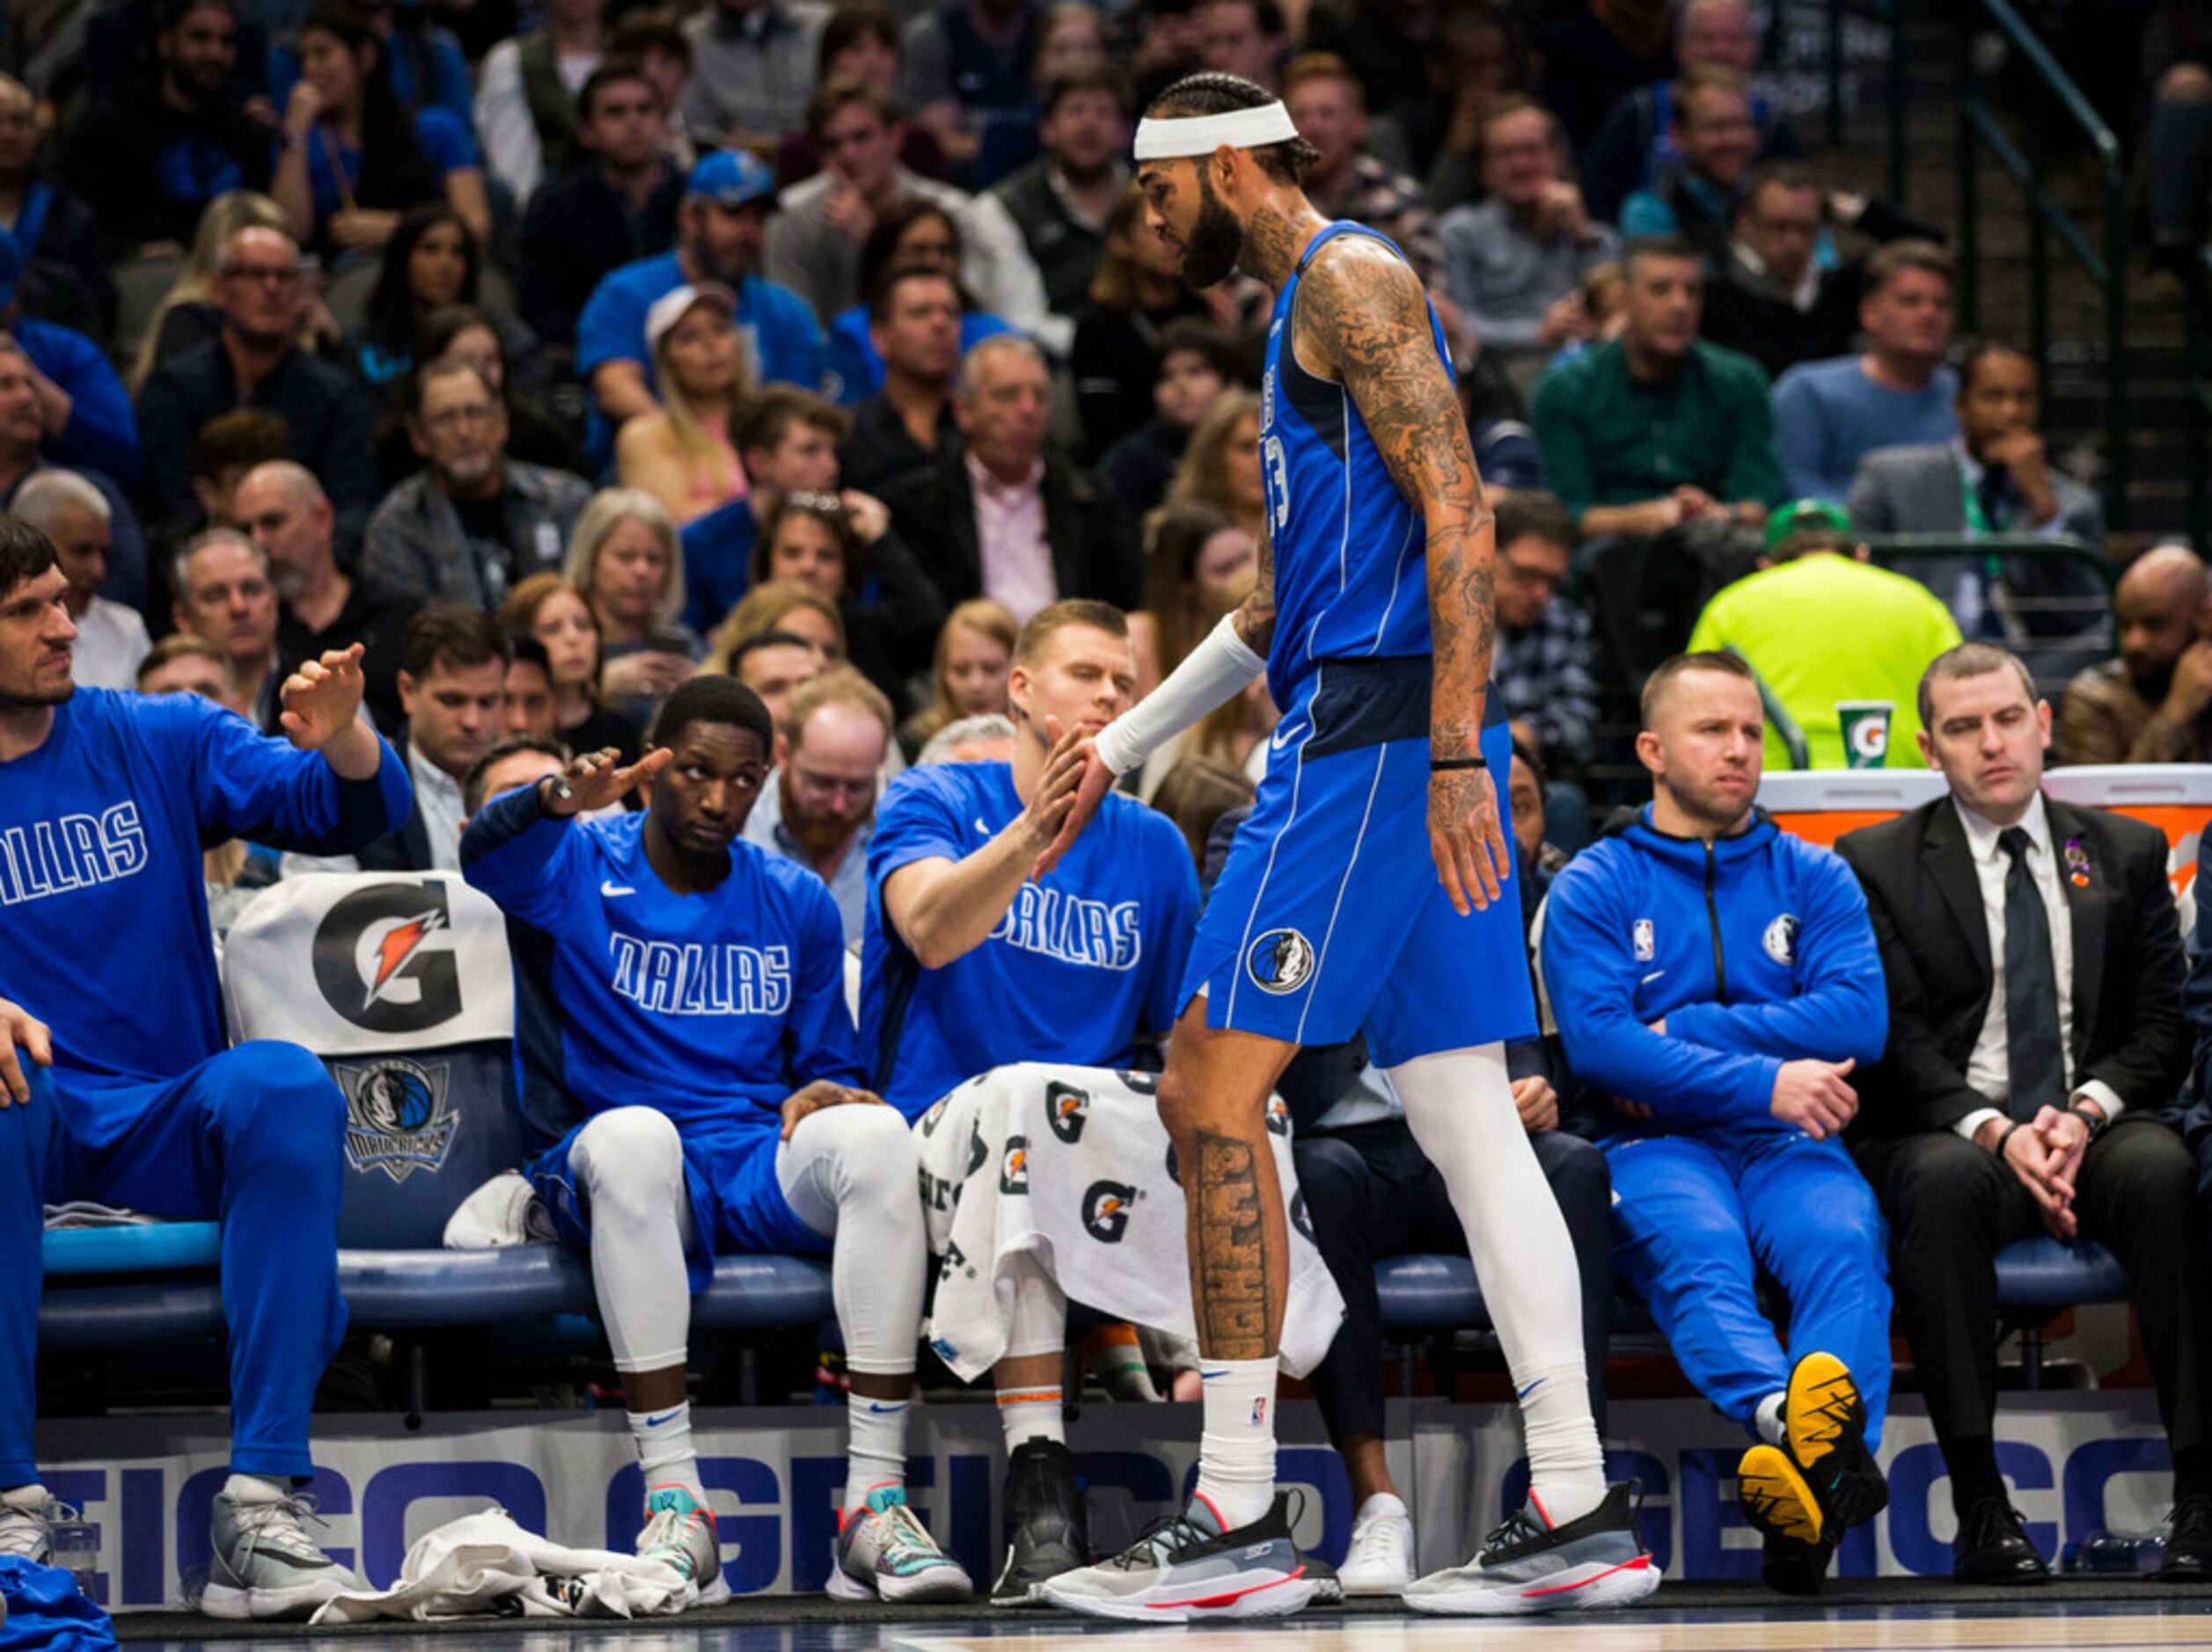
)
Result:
{"points": [[687, 422], [1202, 478], [609, 509], [984, 618], [225, 217], [763, 609], [518, 614]]}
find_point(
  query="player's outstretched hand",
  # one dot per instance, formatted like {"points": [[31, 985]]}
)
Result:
{"points": [[596, 781], [322, 697], [19, 1025], [823, 1094], [1467, 838], [1075, 783]]}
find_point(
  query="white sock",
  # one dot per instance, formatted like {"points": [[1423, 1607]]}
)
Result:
{"points": [[1033, 1413], [1459, 1105], [664, 1449], [1381, 1506], [1767, 1418], [245, 1487], [1236, 1443], [875, 1446]]}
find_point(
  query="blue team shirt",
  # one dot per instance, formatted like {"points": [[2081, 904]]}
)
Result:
{"points": [[785, 339], [101, 878], [1350, 574], [1078, 966], [711, 1007]]}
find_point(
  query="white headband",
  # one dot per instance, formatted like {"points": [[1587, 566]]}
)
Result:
{"points": [[1202, 134]]}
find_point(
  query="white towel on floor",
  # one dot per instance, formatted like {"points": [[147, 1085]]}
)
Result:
{"points": [[485, 1565]]}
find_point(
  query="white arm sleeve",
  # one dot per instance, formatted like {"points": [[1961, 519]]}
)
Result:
{"points": [[1210, 674]]}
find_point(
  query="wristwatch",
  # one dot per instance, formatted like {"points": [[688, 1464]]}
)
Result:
{"points": [[2095, 1123]]}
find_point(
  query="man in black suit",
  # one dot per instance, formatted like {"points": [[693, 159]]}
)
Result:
{"points": [[2034, 966], [1003, 516]]}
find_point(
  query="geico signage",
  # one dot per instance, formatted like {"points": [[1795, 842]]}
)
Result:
{"points": [[776, 1520]]}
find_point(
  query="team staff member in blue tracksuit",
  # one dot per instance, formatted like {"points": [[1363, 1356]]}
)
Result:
{"points": [[108, 979], [1720, 980]]}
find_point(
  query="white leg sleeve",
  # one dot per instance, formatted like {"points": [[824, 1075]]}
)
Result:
{"points": [[849, 1173], [629, 1166], [1038, 1321], [1459, 1105]]}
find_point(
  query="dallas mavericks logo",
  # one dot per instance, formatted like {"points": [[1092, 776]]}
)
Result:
{"points": [[1280, 961], [396, 1118], [1781, 940]]}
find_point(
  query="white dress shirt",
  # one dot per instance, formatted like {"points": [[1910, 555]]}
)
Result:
{"points": [[110, 640], [1988, 1069], [437, 800]]}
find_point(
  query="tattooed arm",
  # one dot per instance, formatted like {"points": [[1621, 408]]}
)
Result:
{"points": [[1363, 322]]}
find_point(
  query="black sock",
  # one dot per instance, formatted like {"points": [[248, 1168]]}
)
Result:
{"points": [[1972, 1463], [2193, 1473]]}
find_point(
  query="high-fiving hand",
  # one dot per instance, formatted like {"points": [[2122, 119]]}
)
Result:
{"points": [[1075, 783], [596, 781]]}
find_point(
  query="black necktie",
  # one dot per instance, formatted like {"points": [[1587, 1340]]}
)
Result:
{"points": [[2037, 1062], [1989, 494]]}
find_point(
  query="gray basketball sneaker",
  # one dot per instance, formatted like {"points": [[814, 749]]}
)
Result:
{"points": [[1186, 1567], [1528, 1565], [266, 1565]]}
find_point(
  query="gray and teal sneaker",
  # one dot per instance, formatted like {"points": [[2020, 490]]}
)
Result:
{"points": [[680, 1533], [265, 1565], [1185, 1567], [885, 1553], [27, 1514], [1528, 1565]]}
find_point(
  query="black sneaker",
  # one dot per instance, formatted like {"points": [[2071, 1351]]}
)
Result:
{"points": [[1047, 1525], [2189, 1542]]}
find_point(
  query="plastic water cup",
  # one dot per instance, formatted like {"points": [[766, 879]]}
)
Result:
{"points": [[76, 1545], [1865, 725]]}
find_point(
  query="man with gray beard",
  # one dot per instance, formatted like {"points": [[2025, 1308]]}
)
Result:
{"points": [[283, 509], [474, 523]]}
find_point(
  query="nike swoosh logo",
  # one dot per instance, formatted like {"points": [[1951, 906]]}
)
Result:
{"points": [[1654, 975], [1282, 736], [875, 1410], [1524, 1392], [980, 827], [655, 1422], [1208, 1376], [610, 887]]}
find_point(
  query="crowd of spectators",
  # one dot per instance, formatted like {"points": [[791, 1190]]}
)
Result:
{"points": [[823, 348]]}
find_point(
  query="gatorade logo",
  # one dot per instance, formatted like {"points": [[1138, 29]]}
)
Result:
{"points": [[1278, 1119], [1106, 1206], [384, 958], [1870, 742], [1066, 1109], [1013, 1166]]}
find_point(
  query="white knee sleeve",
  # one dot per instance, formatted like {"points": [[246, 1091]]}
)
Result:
{"points": [[628, 1165], [849, 1173]]}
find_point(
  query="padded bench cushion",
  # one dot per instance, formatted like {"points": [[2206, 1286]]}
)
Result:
{"points": [[153, 1247]]}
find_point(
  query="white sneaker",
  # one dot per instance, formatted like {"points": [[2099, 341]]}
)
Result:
{"points": [[266, 1565], [27, 1514], [505, 1210], [1380, 1558], [680, 1533]]}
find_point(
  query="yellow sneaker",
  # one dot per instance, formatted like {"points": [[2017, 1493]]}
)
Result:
{"points": [[1824, 1426], [1776, 1497]]}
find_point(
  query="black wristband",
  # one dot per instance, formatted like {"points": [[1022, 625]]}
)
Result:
{"points": [[2093, 1122], [2002, 1140], [1437, 766]]}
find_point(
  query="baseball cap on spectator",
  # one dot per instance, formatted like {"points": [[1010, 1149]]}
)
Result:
{"points": [[1505, 451], [732, 178], [670, 308], [10, 265], [1801, 515]]}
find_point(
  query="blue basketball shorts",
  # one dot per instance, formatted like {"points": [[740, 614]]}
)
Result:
{"points": [[1329, 918]]}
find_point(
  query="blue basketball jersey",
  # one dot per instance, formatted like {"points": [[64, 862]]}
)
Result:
{"points": [[1351, 581]]}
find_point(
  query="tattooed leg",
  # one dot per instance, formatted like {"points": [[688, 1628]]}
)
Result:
{"points": [[1213, 1101]]}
